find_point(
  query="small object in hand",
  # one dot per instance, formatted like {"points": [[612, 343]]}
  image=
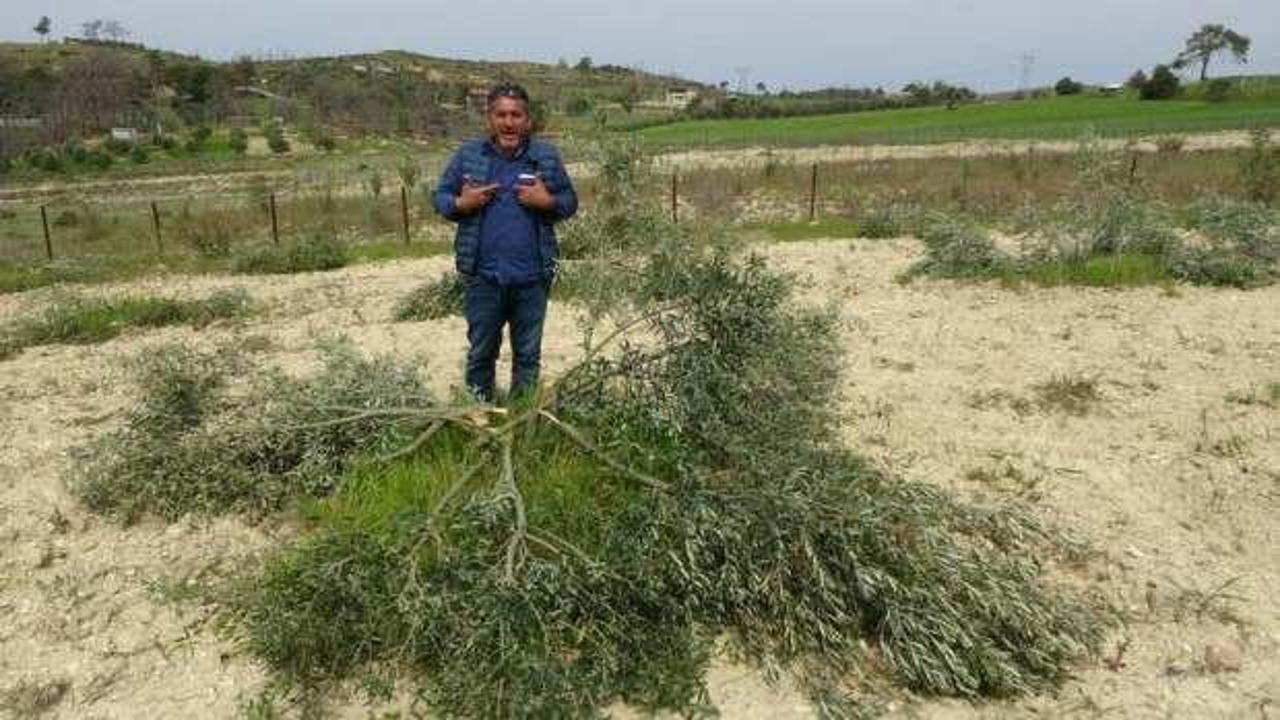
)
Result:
{"points": [[526, 179]]}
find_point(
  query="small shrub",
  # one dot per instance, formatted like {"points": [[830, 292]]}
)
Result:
{"points": [[958, 249], [1260, 168], [139, 155], [200, 134], [1162, 85], [238, 141], [74, 150], [1067, 86], [116, 146], [881, 222], [439, 298], [326, 142], [1219, 90], [46, 159], [165, 141], [98, 159], [317, 252], [276, 140]]}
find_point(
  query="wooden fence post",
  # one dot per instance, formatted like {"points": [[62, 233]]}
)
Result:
{"points": [[404, 212], [275, 226], [155, 222], [48, 241], [1133, 168], [813, 193], [675, 198]]}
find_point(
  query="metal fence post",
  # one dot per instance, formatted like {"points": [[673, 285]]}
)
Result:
{"points": [[48, 241]]}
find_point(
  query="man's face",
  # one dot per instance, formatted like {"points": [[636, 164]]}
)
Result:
{"points": [[509, 123]]}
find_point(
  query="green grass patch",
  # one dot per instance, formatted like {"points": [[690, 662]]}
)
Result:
{"points": [[1120, 270], [393, 250], [76, 320], [1048, 118], [311, 254]]}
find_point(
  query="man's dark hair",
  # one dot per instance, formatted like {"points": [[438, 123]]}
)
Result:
{"points": [[510, 90]]}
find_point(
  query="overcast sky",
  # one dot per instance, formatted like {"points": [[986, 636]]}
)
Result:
{"points": [[797, 43]]}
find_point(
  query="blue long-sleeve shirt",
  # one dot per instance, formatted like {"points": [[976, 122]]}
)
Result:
{"points": [[508, 250]]}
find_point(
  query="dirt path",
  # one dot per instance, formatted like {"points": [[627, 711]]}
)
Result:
{"points": [[1173, 473], [760, 156]]}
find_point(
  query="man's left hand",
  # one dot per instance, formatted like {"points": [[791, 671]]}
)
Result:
{"points": [[536, 196]]}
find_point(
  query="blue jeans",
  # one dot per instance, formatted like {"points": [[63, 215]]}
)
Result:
{"points": [[487, 307]]}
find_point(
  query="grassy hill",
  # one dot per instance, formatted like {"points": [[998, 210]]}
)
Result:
{"points": [[1258, 105]]}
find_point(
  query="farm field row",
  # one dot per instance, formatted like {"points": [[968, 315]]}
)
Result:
{"points": [[1169, 469], [1048, 118]]}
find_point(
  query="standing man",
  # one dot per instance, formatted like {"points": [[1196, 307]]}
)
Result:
{"points": [[505, 192]]}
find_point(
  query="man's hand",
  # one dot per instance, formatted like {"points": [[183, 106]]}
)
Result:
{"points": [[473, 196], [535, 195]]}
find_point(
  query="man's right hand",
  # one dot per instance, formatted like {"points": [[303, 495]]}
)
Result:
{"points": [[473, 196]]}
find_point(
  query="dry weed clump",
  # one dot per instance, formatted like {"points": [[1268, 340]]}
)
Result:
{"points": [[432, 300], [320, 251], [1072, 394]]}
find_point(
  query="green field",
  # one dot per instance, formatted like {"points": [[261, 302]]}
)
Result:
{"points": [[1048, 118]]}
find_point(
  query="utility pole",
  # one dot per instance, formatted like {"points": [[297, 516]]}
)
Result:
{"points": [[743, 74], [1026, 63]]}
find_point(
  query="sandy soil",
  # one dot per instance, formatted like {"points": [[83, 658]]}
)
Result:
{"points": [[1176, 485]]}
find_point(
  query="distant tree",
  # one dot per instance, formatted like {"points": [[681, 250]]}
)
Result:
{"points": [[1136, 80], [114, 30], [762, 88], [724, 85], [1067, 86], [584, 63], [91, 29], [1208, 41], [1162, 85], [43, 26]]}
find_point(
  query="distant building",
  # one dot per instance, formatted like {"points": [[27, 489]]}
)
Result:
{"points": [[679, 98], [1112, 89]]}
